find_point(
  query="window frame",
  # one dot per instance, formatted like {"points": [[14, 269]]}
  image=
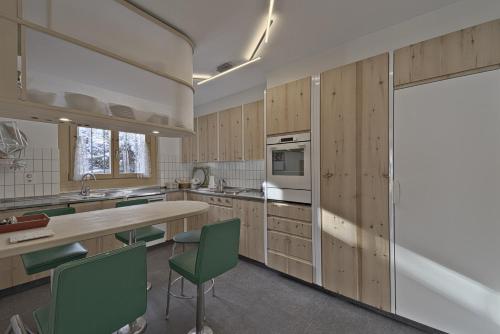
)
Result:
{"points": [[67, 144]]}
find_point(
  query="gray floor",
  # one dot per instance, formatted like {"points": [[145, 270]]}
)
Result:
{"points": [[250, 299]]}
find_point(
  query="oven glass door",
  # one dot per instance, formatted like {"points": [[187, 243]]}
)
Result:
{"points": [[288, 165]]}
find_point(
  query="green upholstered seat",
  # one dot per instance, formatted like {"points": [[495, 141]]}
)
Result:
{"points": [[147, 234], [216, 253], [190, 237], [46, 259], [99, 294]]}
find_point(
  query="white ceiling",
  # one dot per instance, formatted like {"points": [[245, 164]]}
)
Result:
{"points": [[228, 30]]}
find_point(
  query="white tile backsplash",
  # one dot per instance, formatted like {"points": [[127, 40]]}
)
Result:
{"points": [[39, 177], [246, 174]]}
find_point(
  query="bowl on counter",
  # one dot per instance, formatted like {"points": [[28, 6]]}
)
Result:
{"points": [[38, 96], [119, 110], [82, 102]]}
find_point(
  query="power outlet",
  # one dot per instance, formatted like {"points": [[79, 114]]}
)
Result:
{"points": [[28, 178]]}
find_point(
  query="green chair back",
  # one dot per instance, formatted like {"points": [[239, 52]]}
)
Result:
{"points": [[99, 294], [131, 202], [52, 212], [218, 249]]}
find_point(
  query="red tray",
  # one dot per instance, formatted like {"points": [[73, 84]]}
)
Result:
{"points": [[26, 223]]}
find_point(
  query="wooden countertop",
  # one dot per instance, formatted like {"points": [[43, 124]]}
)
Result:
{"points": [[93, 224]]}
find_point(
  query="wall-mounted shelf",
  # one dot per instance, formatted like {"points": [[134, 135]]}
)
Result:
{"points": [[51, 114]]}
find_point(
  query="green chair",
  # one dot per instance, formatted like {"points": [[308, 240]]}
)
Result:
{"points": [[97, 295], [147, 234], [48, 259], [217, 253]]}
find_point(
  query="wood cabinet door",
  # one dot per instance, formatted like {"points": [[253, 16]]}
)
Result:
{"points": [[251, 214], [203, 138], [196, 222], [288, 107], [85, 207], [189, 145], [213, 137], [217, 213], [253, 130], [230, 135]]}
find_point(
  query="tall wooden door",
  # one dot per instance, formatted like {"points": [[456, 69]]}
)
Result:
{"points": [[355, 182]]}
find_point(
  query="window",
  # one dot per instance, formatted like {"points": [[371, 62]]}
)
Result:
{"points": [[116, 158]]}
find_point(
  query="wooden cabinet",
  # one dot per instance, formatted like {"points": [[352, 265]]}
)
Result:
{"points": [[355, 182], [251, 214], [288, 107], [177, 226], [217, 213], [289, 244], [8, 8], [231, 134], [189, 145], [208, 137], [253, 130], [470, 49], [8, 59]]}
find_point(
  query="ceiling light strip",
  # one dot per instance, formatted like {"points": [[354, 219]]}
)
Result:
{"points": [[229, 71], [269, 15], [260, 42]]}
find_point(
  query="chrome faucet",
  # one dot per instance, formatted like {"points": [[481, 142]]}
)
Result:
{"points": [[220, 185], [85, 191]]}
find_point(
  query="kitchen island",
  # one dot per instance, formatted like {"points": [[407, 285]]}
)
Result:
{"points": [[93, 224]]}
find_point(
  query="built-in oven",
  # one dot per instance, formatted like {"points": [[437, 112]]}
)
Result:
{"points": [[289, 168]]}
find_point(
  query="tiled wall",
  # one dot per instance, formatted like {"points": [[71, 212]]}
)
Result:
{"points": [[246, 174], [40, 177]]}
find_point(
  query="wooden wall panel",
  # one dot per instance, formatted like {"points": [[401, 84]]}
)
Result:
{"points": [[471, 49], [355, 183], [373, 180], [338, 182], [253, 130], [231, 134]]}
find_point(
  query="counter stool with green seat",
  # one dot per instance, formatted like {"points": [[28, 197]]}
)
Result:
{"points": [[99, 294], [187, 238], [49, 259], [216, 254], [146, 234]]}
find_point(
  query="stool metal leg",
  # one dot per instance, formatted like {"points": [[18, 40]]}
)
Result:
{"points": [[182, 278], [168, 293], [140, 324], [200, 327]]}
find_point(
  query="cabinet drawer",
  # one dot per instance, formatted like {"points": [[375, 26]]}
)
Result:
{"points": [[287, 244], [295, 227], [293, 211], [223, 201], [291, 266]]}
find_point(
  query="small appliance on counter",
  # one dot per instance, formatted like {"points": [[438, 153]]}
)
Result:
{"points": [[211, 183], [289, 168]]}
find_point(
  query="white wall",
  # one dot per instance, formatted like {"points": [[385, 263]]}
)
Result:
{"points": [[445, 20], [246, 96]]}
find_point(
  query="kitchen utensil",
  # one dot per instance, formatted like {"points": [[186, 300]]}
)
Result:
{"points": [[211, 183], [12, 140], [183, 183], [123, 111], [82, 102], [201, 173], [38, 96]]}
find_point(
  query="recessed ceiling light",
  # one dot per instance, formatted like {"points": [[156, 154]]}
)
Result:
{"points": [[155, 132], [269, 15], [64, 119], [229, 71]]}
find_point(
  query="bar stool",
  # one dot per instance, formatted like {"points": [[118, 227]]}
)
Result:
{"points": [[217, 253], [49, 259], [143, 234], [98, 294]]}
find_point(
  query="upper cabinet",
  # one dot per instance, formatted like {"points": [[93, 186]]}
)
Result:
{"points": [[190, 145], [55, 65], [288, 107], [467, 50], [253, 130], [230, 135], [208, 138]]}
